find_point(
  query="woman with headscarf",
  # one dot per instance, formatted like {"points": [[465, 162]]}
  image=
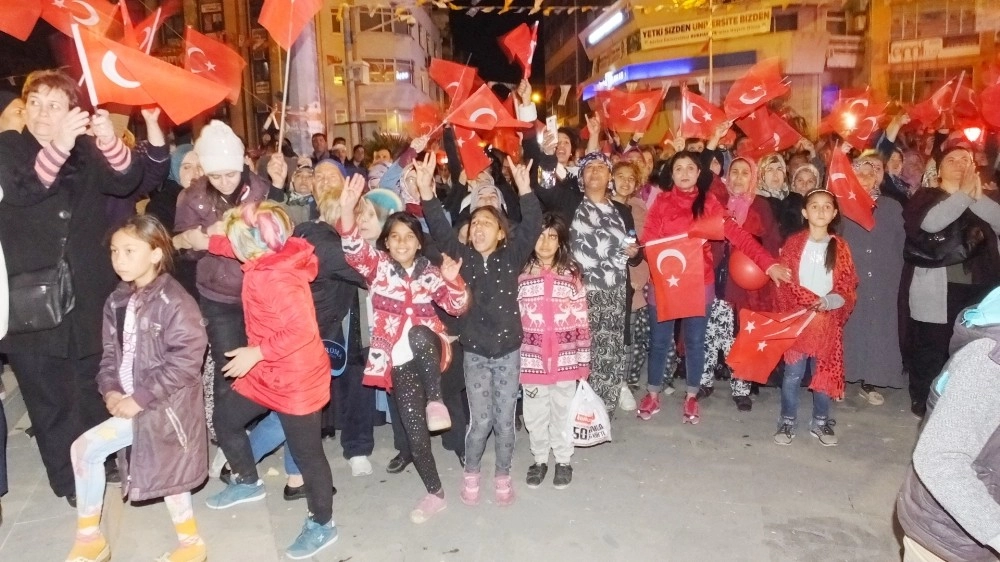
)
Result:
{"points": [[871, 335], [184, 169], [772, 183]]}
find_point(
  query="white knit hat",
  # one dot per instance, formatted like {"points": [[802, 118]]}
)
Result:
{"points": [[219, 149]]}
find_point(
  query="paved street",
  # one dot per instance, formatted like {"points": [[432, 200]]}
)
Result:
{"points": [[661, 491]]}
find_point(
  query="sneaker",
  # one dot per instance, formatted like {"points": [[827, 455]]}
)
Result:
{"points": [[563, 476], [824, 432], [692, 413], [437, 416], [360, 466], [312, 539], [785, 434], [870, 395], [705, 391], [536, 474], [237, 493], [196, 552], [626, 401], [96, 550], [427, 508], [470, 488], [503, 490], [649, 405], [743, 403]]}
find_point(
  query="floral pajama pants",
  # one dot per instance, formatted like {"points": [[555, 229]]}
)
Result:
{"points": [[608, 354], [719, 338]]}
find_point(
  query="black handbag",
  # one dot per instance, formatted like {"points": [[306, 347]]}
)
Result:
{"points": [[959, 241], [41, 299]]}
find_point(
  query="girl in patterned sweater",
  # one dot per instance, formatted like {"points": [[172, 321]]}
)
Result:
{"points": [[555, 351], [409, 346]]}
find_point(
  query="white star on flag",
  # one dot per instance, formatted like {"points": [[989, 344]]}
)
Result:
{"points": [[750, 327], [209, 65], [59, 3], [852, 195], [673, 281], [761, 346]]}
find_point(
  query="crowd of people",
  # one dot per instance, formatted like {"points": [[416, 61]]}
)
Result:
{"points": [[260, 299]]}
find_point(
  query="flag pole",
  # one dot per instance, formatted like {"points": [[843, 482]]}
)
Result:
{"points": [[284, 87]]}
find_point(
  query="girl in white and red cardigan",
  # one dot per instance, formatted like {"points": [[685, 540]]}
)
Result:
{"points": [[409, 345], [555, 351]]}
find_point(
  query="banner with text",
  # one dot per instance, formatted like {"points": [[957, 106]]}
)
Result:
{"points": [[725, 26]]}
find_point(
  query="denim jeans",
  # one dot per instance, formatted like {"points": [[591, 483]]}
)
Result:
{"points": [[492, 385], [791, 387], [661, 343], [267, 436]]}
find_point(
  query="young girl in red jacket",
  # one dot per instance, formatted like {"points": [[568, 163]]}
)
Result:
{"points": [[555, 351], [150, 379], [823, 279], [409, 346], [675, 211], [284, 368]]}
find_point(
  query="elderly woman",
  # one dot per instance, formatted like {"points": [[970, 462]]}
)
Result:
{"points": [[58, 176], [952, 261], [871, 336]]}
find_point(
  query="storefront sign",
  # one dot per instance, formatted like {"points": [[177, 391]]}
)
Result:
{"points": [[723, 26], [927, 49]]}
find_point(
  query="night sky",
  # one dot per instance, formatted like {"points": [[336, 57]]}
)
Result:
{"points": [[478, 36]]}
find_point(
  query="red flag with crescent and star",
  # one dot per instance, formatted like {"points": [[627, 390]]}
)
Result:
{"points": [[94, 15], [484, 112], [455, 79], [470, 149], [761, 84], [629, 111], [779, 135], [762, 339], [677, 268], [519, 46], [285, 19], [214, 60], [854, 202], [699, 117], [18, 18], [855, 119], [120, 74], [929, 110], [426, 119]]}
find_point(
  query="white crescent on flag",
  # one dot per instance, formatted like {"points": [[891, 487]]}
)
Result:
{"points": [[109, 66], [92, 17], [641, 115], [475, 115]]}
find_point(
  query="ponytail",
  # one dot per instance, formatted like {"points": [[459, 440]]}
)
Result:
{"points": [[831, 254]]}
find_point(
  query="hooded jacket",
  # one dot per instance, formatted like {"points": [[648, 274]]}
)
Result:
{"points": [[170, 444], [294, 376]]}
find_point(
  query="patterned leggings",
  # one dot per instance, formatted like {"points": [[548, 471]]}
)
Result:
{"points": [[608, 355], [719, 338], [415, 383], [491, 386], [639, 326]]}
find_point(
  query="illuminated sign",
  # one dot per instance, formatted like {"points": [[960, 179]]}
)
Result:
{"points": [[724, 26], [666, 69]]}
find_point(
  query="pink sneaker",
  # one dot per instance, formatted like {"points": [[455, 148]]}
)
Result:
{"points": [[470, 488], [649, 405], [504, 490], [692, 413], [427, 508], [437, 416]]}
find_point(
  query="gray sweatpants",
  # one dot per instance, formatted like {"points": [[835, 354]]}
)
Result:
{"points": [[491, 385]]}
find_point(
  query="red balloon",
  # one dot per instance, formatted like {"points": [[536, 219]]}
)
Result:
{"points": [[745, 273]]}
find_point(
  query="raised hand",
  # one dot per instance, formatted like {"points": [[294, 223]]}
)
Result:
{"points": [[420, 143], [154, 133], [349, 197], [594, 125], [425, 176], [450, 268], [73, 124], [277, 169], [549, 142], [101, 127], [522, 175], [523, 92]]}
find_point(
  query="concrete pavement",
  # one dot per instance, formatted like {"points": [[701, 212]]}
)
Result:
{"points": [[661, 491]]}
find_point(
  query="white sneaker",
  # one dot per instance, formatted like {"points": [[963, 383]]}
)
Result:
{"points": [[626, 401], [360, 466]]}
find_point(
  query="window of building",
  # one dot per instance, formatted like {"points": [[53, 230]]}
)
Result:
{"points": [[932, 18], [916, 85], [382, 20], [335, 21], [388, 71], [784, 20], [836, 23], [338, 74]]}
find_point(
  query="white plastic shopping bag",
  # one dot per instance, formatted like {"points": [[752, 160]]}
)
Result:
{"points": [[589, 423]]}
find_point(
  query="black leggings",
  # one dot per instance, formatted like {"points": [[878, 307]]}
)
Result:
{"points": [[414, 383], [235, 411]]}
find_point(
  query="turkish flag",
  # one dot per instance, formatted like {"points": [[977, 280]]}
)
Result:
{"points": [[699, 118], [484, 112], [855, 119], [761, 84], [762, 339], [629, 111], [146, 30], [427, 119], [18, 17], [470, 148], [95, 15], [780, 135], [677, 268], [519, 45], [455, 79], [120, 74], [853, 200], [214, 60], [756, 126], [966, 104], [930, 110], [285, 19], [990, 99]]}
